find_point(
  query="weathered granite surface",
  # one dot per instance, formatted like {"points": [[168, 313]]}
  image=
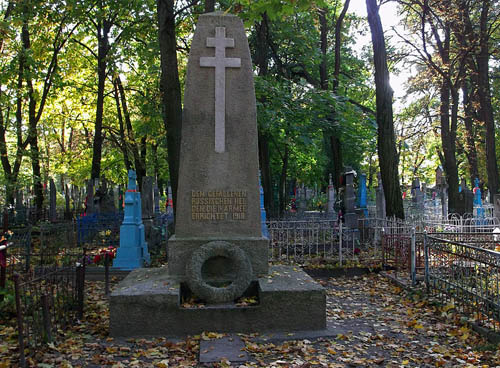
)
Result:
{"points": [[202, 169], [218, 192], [147, 303]]}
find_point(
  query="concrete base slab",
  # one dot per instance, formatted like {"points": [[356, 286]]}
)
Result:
{"points": [[230, 348], [148, 303]]}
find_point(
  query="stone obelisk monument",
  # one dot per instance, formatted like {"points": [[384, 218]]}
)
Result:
{"points": [[218, 253]]}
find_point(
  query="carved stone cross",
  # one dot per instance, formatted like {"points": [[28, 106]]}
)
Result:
{"points": [[220, 62]]}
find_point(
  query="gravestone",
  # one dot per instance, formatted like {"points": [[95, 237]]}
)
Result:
{"points": [[156, 195], [263, 214], [351, 218], [415, 189], [380, 199], [121, 199], [478, 203], [465, 199], [106, 203], [218, 253], [147, 203], [468, 199], [52, 203], [443, 191], [170, 203], [496, 206], [133, 250], [89, 199], [20, 208], [67, 203], [362, 200], [331, 196], [302, 198], [417, 195]]}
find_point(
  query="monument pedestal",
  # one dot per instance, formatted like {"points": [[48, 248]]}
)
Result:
{"points": [[180, 250], [148, 303]]}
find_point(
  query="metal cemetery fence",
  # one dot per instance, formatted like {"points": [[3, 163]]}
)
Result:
{"points": [[462, 224], [18, 252], [46, 305], [404, 253], [297, 241], [468, 276], [315, 241], [99, 229]]}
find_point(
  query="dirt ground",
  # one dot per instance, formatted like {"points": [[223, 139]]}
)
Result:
{"points": [[375, 323]]}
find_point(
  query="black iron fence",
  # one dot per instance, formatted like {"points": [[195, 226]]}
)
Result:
{"points": [[466, 276], [46, 305], [320, 242]]}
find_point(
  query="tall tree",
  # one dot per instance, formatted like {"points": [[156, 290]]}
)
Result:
{"points": [[386, 141], [37, 99], [11, 172], [170, 88], [476, 41], [102, 25], [436, 48], [261, 60]]}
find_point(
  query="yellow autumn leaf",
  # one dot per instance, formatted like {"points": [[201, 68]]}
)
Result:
{"points": [[405, 362], [447, 307]]}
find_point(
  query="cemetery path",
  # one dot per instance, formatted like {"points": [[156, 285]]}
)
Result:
{"points": [[374, 323], [378, 324]]}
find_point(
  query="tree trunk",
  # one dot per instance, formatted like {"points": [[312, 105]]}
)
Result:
{"points": [[486, 110], [386, 141], [124, 144], [282, 184], [262, 63], [265, 173], [103, 29], [470, 142], [209, 6], [10, 174], [32, 126], [335, 142], [139, 162], [338, 166], [450, 162], [170, 88]]}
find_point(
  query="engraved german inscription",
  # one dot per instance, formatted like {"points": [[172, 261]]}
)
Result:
{"points": [[218, 205]]}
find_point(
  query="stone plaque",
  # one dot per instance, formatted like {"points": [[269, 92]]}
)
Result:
{"points": [[218, 205]]}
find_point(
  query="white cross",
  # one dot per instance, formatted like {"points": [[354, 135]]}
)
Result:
{"points": [[220, 62]]}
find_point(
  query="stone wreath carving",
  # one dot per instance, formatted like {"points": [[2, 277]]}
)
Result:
{"points": [[212, 294]]}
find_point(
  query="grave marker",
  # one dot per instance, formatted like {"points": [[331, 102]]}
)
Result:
{"points": [[52, 199], [331, 196], [218, 253], [380, 199], [133, 251], [351, 218]]}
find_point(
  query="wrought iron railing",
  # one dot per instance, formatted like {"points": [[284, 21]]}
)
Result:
{"points": [[46, 305], [318, 241], [465, 276]]}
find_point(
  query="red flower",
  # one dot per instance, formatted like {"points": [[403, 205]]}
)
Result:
{"points": [[97, 258]]}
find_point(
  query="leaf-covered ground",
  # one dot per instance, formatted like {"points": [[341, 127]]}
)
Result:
{"points": [[375, 322]]}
